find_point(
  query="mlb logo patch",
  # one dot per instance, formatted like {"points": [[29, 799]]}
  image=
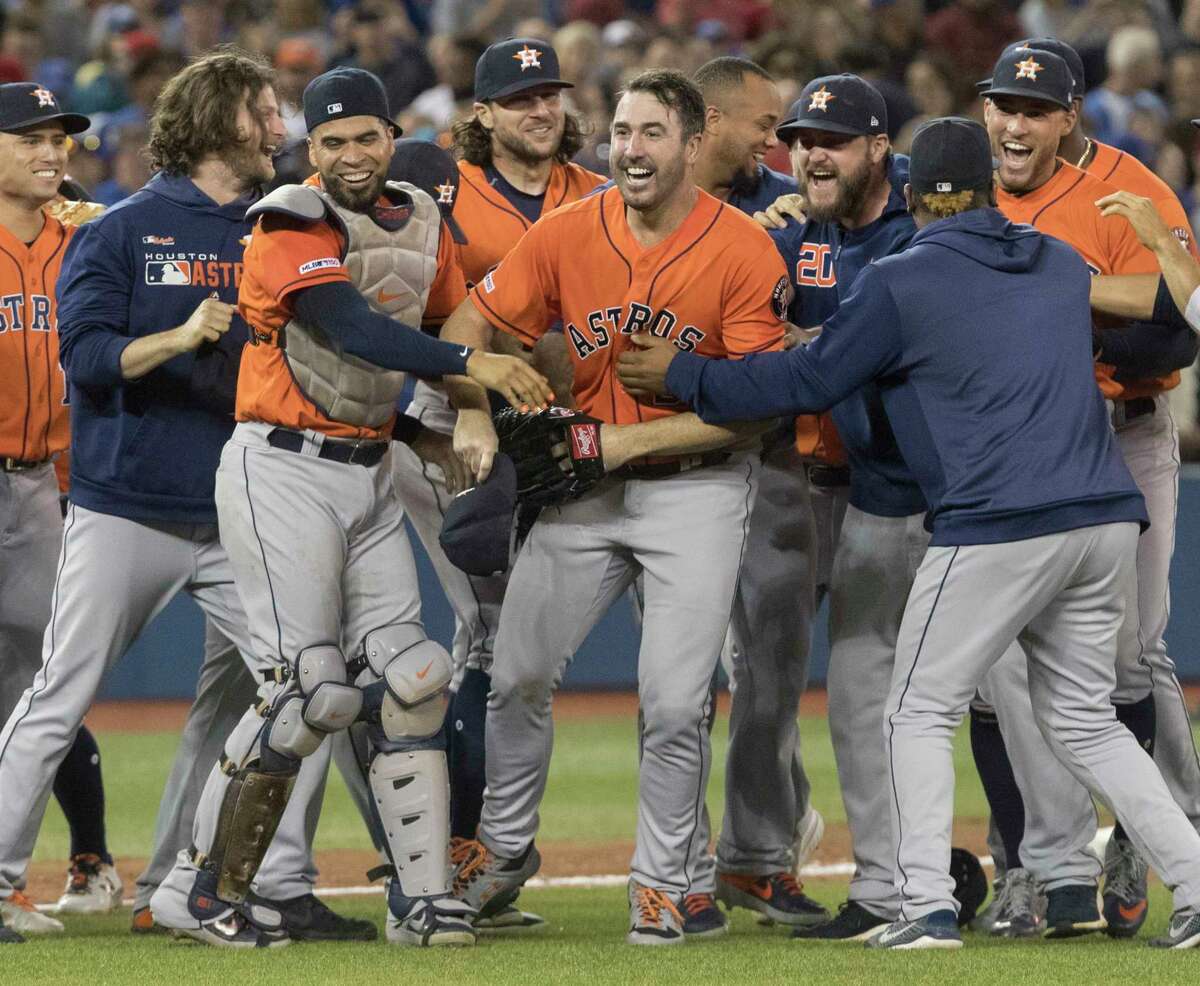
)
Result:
{"points": [[168, 272], [324, 262]]}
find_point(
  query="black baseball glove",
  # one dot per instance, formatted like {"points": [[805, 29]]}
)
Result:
{"points": [[556, 452]]}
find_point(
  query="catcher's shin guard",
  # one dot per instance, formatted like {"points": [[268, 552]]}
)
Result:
{"points": [[412, 795], [250, 813]]}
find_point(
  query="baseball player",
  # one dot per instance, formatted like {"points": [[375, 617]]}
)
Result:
{"points": [[515, 165], [146, 428], [338, 272], [1034, 516], [856, 212], [1148, 440], [674, 511], [33, 429]]}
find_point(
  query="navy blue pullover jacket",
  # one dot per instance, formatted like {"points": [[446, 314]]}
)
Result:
{"points": [[979, 337], [146, 449], [823, 259]]}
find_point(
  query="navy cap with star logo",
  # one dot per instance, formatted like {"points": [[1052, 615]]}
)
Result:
{"points": [[840, 104], [508, 67], [431, 168], [1053, 45], [28, 104], [1033, 74]]}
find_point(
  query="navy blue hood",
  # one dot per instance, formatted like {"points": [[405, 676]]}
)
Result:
{"points": [[987, 237]]}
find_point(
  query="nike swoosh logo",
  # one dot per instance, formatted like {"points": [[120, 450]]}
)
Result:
{"points": [[1132, 913], [464, 350], [890, 936], [421, 674], [386, 299]]}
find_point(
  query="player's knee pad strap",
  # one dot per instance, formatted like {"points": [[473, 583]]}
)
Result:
{"points": [[412, 794], [250, 812]]}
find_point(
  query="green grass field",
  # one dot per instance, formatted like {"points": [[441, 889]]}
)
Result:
{"points": [[590, 802]]}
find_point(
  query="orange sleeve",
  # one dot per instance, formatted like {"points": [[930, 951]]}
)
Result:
{"points": [[287, 255], [756, 301], [1125, 250], [521, 296], [449, 288]]}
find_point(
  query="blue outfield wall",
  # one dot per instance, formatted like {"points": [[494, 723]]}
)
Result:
{"points": [[164, 660]]}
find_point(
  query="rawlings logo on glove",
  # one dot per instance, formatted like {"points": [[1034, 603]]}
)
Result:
{"points": [[556, 452]]}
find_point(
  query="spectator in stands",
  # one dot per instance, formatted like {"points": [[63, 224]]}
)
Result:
{"points": [[23, 41], [1135, 67], [930, 81], [971, 32], [578, 47], [398, 60], [297, 62], [130, 168], [454, 57]]}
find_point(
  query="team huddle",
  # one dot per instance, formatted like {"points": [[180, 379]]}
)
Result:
{"points": [[931, 389]]}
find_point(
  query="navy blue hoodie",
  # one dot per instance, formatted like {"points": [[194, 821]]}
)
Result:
{"points": [[146, 449], [979, 337]]}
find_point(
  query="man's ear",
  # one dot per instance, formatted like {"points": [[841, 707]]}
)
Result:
{"points": [[909, 198]]}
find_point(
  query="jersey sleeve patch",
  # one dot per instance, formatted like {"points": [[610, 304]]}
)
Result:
{"points": [[319, 264], [781, 297]]}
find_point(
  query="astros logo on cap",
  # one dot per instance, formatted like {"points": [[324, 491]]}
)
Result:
{"points": [[1028, 69], [528, 57], [44, 96], [820, 100], [445, 193]]}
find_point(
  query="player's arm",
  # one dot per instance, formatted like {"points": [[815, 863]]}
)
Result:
{"points": [[860, 342], [1180, 272], [680, 434]]}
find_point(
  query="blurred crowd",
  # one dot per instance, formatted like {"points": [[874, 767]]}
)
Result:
{"points": [[109, 59]]}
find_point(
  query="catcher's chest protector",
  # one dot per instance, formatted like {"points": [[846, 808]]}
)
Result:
{"points": [[393, 269]]}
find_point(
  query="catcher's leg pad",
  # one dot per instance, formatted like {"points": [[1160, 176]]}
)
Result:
{"points": [[330, 702], [412, 795], [250, 813], [415, 673]]}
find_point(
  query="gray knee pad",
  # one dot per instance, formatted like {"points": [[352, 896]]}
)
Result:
{"points": [[416, 672], [412, 794], [330, 703]]}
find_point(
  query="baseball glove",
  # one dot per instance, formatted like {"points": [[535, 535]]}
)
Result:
{"points": [[556, 452], [970, 883]]}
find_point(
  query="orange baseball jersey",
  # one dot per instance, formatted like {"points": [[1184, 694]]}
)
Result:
{"points": [[716, 286], [285, 256], [1065, 207], [1124, 171], [33, 406], [492, 225]]}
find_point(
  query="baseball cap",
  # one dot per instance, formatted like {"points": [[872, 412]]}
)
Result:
{"points": [[950, 154], [507, 67], [343, 92], [431, 169], [477, 527], [27, 104], [1034, 75], [1056, 47], [841, 104]]}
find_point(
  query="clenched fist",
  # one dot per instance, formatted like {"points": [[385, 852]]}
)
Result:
{"points": [[207, 323]]}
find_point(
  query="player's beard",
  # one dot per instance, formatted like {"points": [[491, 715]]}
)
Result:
{"points": [[524, 150], [356, 199], [246, 163], [852, 189]]}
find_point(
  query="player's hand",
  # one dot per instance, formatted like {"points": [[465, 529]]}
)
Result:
{"points": [[475, 442], [514, 379], [207, 323], [1142, 216], [797, 336], [775, 216], [438, 450], [643, 370]]}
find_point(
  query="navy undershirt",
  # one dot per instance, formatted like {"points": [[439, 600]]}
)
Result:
{"points": [[530, 206]]}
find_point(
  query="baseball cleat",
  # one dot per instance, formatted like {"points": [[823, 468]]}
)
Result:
{"points": [[427, 922], [777, 895], [9, 937], [702, 918], [488, 883], [19, 914], [936, 930], [809, 832], [509, 919], [306, 918], [653, 917], [1182, 932], [1125, 903], [143, 923], [986, 919], [853, 922], [1021, 907], [1071, 911], [233, 930], [93, 886]]}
